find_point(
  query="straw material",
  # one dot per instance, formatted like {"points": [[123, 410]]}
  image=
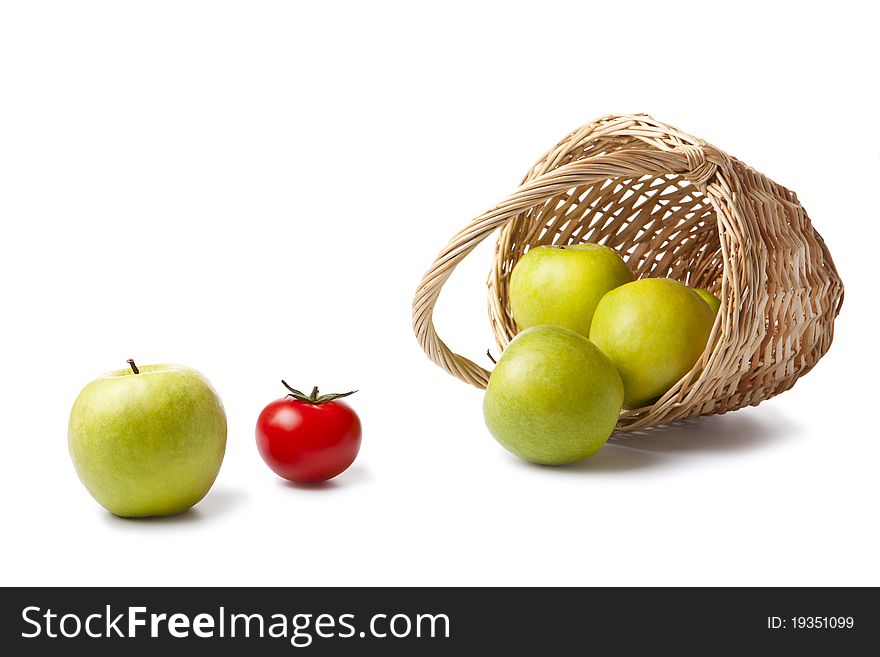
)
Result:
{"points": [[673, 206]]}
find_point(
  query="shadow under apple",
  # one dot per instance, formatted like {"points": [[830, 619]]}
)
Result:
{"points": [[218, 502], [739, 431]]}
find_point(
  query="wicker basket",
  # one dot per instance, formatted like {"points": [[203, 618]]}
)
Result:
{"points": [[673, 206]]}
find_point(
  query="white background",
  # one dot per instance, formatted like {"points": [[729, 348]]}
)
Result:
{"points": [[255, 189]]}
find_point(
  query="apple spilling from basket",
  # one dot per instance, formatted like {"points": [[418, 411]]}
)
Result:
{"points": [[593, 341]]}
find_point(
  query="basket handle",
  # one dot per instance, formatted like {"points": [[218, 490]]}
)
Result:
{"points": [[697, 163]]}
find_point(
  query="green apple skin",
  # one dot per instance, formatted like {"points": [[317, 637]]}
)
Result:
{"points": [[653, 330], [148, 444], [561, 286], [713, 301], [553, 397]]}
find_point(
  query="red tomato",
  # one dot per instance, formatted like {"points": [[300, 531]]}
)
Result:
{"points": [[311, 438]]}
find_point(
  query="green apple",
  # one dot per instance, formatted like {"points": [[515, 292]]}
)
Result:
{"points": [[653, 330], [713, 301], [148, 441], [561, 285], [553, 397]]}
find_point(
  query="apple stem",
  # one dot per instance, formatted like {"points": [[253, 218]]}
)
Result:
{"points": [[314, 398], [489, 354], [134, 368]]}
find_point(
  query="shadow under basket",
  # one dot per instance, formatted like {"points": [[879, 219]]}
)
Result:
{"points": [[673, 206]]}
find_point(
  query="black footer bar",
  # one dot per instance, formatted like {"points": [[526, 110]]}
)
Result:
{"points": [[427, 621]]}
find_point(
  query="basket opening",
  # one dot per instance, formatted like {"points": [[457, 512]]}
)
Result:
{"points": [[662, 226]]}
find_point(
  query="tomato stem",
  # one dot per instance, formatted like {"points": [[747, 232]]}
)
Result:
{"points": [[131, 364], [314, 397]]}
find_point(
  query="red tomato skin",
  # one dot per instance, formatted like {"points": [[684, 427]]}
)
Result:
{"points": [[308, 443]]}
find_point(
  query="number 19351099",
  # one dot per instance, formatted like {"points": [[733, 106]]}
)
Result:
{"points": [[810, 623]]}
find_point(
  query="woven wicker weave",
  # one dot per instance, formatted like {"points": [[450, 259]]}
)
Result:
{"points": [[673, 206]]}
